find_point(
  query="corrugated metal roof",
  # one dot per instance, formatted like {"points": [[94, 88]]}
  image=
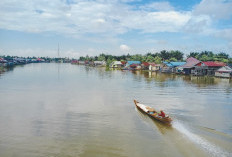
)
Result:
{"points": [[214, 64], [153, 64], [146, 63], [190, 62], [133, 62], [225, 69], [117, 62], [174, 64], [177, 63]]}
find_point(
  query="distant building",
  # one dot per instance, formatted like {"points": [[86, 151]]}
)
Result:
{"points": [[132, 65], [170, 67], [135, 67], [145, 66], [207, 68], [189, 66], [132, 62], [74, 62], [116, 64], [99, 63], [152, 67], [81, 62], [225, 72]]}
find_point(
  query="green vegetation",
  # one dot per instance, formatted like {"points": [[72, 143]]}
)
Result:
{"points": [[149, 57], [210, 56], [47, 59], [162, 56]]}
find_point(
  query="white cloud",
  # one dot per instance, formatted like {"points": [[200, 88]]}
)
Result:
{"points": [[158, 6], [225, 33], [125, 48], [219, 9], [87, 17], [103, 21], [25, 52], [198, 24]]}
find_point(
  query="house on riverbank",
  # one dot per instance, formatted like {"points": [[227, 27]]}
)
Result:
{"points": [[99, 63], [207, 68], [145, 65], [154, 67], [116, 64], [132, 65], [74, 62], [171, 67], [225, 72], [189, 67], [132, 62]]}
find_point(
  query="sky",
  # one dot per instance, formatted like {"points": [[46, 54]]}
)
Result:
{"points": [[117, 27]]}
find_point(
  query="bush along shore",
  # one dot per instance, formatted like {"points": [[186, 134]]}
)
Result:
{"points": [[197, 63]]}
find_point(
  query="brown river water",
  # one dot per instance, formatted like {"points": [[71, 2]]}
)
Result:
{"points": [[64, 110]]}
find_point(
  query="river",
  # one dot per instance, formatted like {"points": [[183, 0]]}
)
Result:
{"points": [[64, 110]]}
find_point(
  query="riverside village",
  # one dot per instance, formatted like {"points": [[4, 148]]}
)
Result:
{"points": [[205, 63]]}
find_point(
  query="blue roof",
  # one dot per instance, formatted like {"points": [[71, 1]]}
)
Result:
{"points": [[133, 62], [174, 64]]}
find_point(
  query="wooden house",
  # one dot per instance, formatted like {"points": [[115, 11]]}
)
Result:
{"points": [[74, 62], [116, 64], [99, 63], [132, 65], [225, 72], [207, 68], [145, 65], [155, 67], [132, 62], [189, 66], [135, 67], [170, 67], [81, 62]]}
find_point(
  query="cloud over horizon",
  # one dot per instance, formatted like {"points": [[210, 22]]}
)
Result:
{"points": [[112, 22]]}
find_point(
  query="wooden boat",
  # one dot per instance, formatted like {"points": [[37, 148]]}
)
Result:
{"points": [[153, 113]]}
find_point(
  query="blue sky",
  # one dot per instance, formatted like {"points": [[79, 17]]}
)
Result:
{"points": [[81, 27]]}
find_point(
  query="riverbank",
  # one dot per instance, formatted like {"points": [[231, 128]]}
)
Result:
{"points": [[196, 68]]}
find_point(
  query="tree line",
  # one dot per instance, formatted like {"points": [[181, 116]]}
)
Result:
{"points": [[163, 55], [48, 59]]}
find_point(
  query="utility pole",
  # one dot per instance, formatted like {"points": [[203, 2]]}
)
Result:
{"points": [[58, 51]]}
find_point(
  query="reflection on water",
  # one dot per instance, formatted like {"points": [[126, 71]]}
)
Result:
{"points": [[70, 110]]}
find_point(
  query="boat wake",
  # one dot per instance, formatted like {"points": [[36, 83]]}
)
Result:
{"points": [[203, 143]]}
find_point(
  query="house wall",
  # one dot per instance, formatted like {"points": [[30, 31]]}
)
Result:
{"points": [[187, 71], [166, 69], [222, 74], [116, 66], [205, 70], [154, 68]]}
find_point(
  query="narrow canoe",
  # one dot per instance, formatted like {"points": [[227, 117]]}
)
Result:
{"points": [[152, 113]]}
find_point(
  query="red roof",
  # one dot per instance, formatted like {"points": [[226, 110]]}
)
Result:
{"points": [[146, 64], [74, 61], [123, 62], [190, 62], [152, 64], [133, 65], [214, 64]]}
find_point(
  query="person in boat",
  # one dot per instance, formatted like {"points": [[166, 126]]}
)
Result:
{"points": [[162, 114], [152, 112]]}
